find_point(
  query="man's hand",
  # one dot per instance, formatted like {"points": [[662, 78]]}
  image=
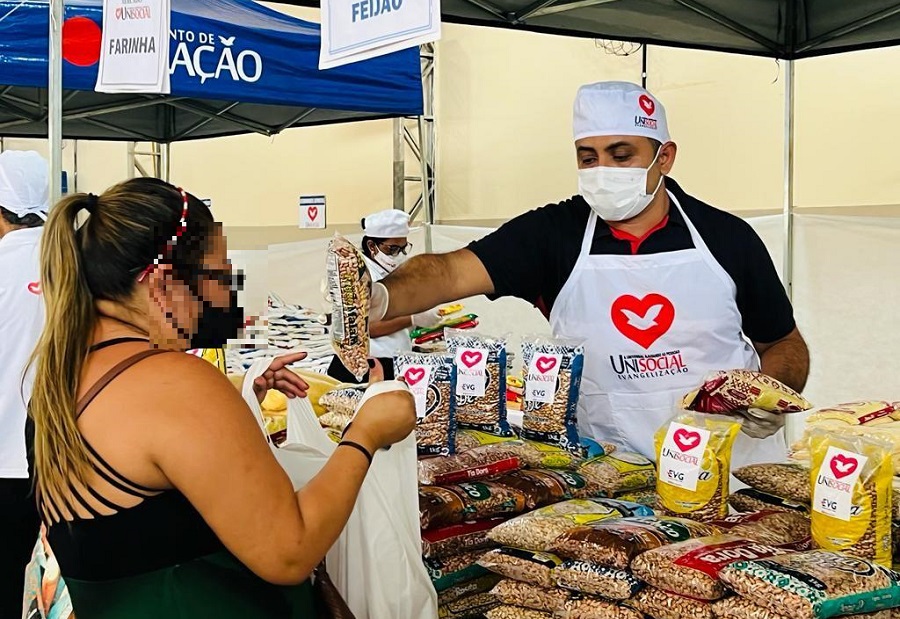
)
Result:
{"points": [[761, 424], [279, 376], [427, 319]]}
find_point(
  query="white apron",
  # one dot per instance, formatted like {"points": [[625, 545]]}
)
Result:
{"points": [[654, 326], [388, 345]]}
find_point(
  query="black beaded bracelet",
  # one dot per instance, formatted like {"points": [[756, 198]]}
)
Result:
{"points": [[359, 447]]}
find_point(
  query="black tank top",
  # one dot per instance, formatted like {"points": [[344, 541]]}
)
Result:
{"points": [[163, 530]]}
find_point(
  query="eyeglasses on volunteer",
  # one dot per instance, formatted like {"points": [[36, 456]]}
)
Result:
{"points": [[396, 250]]}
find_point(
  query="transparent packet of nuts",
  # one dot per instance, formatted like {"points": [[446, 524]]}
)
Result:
{"points": [[349, 286], [851, 478], [694, 465], [428, 377], [478, 391], [552, 369]]}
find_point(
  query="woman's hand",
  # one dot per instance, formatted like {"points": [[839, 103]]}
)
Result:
{"points": [[385, 418], [279, 376]]}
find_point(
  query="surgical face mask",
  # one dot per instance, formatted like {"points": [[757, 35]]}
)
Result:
{"points": [[217, 325], [389, 263], [617, 194]]}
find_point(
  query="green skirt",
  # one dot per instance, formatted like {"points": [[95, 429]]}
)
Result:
{"points": [[216, 586]]}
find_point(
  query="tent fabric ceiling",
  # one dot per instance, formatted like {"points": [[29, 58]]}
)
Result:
{"points": [[787, 29]]}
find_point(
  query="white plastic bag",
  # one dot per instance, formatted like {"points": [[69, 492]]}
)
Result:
{"points": [[376, 563]]}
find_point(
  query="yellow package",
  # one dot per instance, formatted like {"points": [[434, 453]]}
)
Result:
{"points": [[216, 356], [319, 385], [851, 479], [450, 309], [693, 454], [857, 413], [735, 390], [274, 402]]}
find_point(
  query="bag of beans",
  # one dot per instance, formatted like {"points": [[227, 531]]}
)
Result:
{"points": [[526, 595], [482, 584], [428, 378], [535, 568], [453, 570], [469, 607], [349, 287], [478, 389], [545, 487], [478, 463], [694, 465], [552, 385], [768, 527], [851, 495], [790, 481], [441, 506], [749, 500], [593, 579], [737, 607], [458, 538], [663, 605], [620, 472]]}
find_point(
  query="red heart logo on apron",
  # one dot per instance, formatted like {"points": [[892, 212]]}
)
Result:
{"points": [[313, 212], [34, 287], [414, 375], [685, 439], [545, 364], [643, 321], [471, 358], [842, 465], [647, 104]]}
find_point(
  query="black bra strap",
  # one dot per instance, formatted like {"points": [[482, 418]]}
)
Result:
{"points": [[116, 341]]}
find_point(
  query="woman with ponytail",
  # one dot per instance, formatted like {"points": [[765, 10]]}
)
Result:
{"points": [[161, 496]]}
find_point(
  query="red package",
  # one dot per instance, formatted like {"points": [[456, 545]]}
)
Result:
{"points": [[458, 538]]}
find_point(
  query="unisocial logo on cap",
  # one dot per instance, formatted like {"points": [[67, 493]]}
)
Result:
{"points": [[648, 107]]}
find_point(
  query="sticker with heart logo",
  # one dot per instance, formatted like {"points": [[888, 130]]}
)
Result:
{"points": [[842, 465], [414, 376], [643, 321], [34, 287], [471, 358], [647, 104], [681, 455], [546, 364], [836, 480], [312, 212], [471, 368], [417, 378], [542, 377]]}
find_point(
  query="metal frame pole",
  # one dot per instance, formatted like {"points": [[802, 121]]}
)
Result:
{"points": [[399, 180], [54, 99], [75, 166], [788, 269], [165, 162], [130, 159]]}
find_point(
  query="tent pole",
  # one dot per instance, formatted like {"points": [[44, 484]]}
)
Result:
{"points": [[644, 66], [75, 166], [54, 99], [788, 271], [165, 165], [399, 180]]}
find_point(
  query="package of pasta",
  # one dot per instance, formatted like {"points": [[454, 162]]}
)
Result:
{"points": [[478, 463], [851, 495], [552, 384], [349, 288], [737, 390], [545, 487], [441, 506], [694, 465], [428, 378], [478, 391]]}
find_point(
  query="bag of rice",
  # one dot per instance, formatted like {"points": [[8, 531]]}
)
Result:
{"points": [[620, 472], [526, 595], [694, 464], [790, 481], [539, 529], [451, 571], [615, 543], [817, 584], [469, 607], [588, 607], [662, 605], [691, 568], [535, 568], [552, 385], [478, 387], [737, 607], [545, 487], [767, 527], [749, 500], [349, 287], [737, 390], [607, 582], [482, 584], [478, 463], [458, 538], [428, 378], [506, 611], [851, 495], [443, 506]]}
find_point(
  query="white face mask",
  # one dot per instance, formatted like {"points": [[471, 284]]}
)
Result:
{"points": [[617, 194], [388, 263]]}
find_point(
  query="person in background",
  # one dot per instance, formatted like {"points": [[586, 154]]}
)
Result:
{"points": [[159, 492], [24, 202], [661, 288]]}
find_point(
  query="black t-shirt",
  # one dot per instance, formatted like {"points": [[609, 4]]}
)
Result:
{"points": [[532, 256]]}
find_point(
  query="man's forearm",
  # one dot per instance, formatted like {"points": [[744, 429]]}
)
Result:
{"points": [[787, 361], [429, 280]]}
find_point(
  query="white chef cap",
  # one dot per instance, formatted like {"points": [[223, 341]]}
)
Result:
{"points": [[387, 224], [24, 184], [618, 108]]}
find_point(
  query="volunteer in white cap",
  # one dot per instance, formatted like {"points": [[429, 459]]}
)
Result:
{"points": [[661, 287], [24, 196], [385, 247]]}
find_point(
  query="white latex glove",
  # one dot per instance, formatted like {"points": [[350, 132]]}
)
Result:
{"points": [[378, 305], [761, 424], [427, 319]]}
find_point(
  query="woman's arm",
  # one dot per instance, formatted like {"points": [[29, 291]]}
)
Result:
{"points": [[210, 448]]}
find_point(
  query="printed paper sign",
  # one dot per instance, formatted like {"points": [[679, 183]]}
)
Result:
{"points": [[681, 457], [471, 370], [835, 481], [134, 56], [354, 30], [540, 381], [417, 378], [312, 212]]}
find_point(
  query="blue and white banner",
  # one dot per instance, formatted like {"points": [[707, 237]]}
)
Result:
{"points": [[355, 30]]}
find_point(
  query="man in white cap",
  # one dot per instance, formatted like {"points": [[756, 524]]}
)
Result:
{"points": [[24, 203], [661, 287]]}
